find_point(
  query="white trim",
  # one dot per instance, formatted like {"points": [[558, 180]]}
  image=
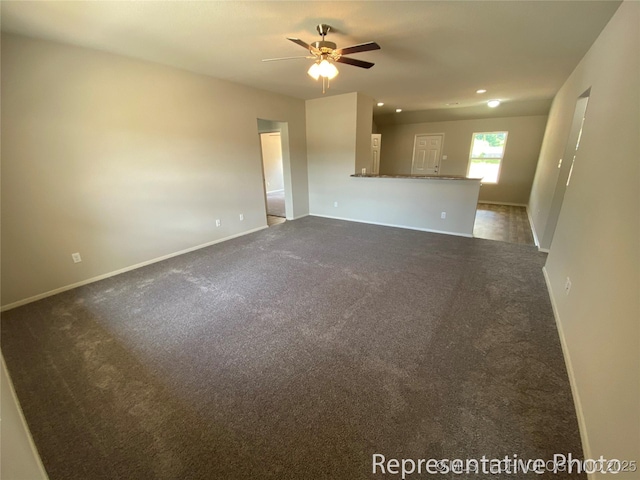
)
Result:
{"points": [[393, 225], [582, 426], [55, 291], [533, 229], [270, 130], [535, 234], [509, 204], [299, 216], [21, 419]]}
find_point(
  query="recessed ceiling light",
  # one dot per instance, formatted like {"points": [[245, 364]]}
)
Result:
{"points": [[482, 90], [380, 104], [398, 110], [493, 103]]}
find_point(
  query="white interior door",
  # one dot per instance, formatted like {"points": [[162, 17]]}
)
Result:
{"points": [[376, 138], [426, 154]]}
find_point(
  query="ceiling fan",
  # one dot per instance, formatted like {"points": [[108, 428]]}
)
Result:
{"points": [[326, 54]]}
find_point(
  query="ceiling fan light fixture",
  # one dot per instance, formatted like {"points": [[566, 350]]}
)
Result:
{"points": [[327, 69], [314, 71], [326, 54]]}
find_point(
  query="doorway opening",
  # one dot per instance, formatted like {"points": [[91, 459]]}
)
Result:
{"points": [[565, 168], [271, 144], [276, 174]]}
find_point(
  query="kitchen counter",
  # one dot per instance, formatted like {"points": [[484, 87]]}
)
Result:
{"points": [[420, 177]]}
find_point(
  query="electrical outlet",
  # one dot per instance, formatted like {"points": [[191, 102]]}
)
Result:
{"points": [[335, 204], [241, 217], [76, 257], [443, 215], [218, 222], [567, 286]]}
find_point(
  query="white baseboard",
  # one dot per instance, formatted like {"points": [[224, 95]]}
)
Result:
{"points": [[55, 291], [535, 234], [393, 225], [533, 229], [586, 448], [509, 204]]}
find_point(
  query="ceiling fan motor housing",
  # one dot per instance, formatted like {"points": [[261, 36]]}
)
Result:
{"points": [[324, 47]]}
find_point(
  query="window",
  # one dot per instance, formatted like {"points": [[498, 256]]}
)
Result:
{"points": [[487, 150]]}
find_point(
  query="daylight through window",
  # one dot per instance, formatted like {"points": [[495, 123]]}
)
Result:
{"points": [[487, 151]]}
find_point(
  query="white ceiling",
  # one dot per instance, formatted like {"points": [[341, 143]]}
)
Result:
{"points": [[433, 53]]}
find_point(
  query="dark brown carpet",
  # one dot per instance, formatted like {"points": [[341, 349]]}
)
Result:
{"points": [[297, 352]]}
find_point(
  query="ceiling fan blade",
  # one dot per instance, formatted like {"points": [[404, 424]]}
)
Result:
{"points": [[285, 58], [363, 47], [300, 42], [355, 63]]}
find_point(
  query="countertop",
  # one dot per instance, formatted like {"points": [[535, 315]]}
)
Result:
{"points": [[422, 177]]}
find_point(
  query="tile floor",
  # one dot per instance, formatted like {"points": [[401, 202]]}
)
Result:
{"points": [[505, 223]]}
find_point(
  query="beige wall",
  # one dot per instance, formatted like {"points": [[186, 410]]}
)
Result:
{"points": [[364, 121], [597, 239], [331, 147], [125, 161], [409, 203], [519, 164]]}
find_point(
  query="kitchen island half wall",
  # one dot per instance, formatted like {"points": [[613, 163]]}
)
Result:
{"points": [[339, 143], [440, 204]]}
